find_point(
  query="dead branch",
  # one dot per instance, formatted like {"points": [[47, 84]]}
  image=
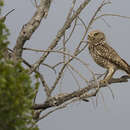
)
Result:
{"points": [[58, 100], [29, 28]]}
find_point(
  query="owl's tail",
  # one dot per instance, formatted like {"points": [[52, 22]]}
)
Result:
{"points": [[126, 67], [129, 69]]}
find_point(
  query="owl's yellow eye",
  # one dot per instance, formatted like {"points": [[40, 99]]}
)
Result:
{"points": [[95, 34]]}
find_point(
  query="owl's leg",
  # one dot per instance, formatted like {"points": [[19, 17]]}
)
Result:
{"points": [[108, 75]]}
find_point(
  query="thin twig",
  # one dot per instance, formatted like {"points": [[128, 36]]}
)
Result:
{"points": [[112, 93], [71, 10], [51, 67], [48, 113], [107, 24], [82, 21], [57, 64], [64, 49], [115, 15], [57, 51], [9, 12], [72, 31], [80, 75], [74, 77]]}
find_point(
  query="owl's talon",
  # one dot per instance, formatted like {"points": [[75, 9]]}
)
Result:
{"points": [[103, 82]]}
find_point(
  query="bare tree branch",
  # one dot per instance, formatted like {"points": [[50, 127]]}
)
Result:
{"points": [[29, 28], [56, 101]]}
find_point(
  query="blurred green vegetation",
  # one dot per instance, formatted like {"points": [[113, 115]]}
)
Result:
{"points": [[16, 90]]}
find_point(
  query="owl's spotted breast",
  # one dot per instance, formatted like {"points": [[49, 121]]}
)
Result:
{"points": [[98, 53]]}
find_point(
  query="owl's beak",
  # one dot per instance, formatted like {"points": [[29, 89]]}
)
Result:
{"points": [[88, 41]]}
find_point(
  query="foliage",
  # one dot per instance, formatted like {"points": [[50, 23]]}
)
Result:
{"points": [[16, 91]]}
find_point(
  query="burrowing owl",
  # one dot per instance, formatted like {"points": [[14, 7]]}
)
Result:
{"points": [[104, 55]]}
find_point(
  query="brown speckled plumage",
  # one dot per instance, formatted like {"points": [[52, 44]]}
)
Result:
{"points": [[104, 55]]}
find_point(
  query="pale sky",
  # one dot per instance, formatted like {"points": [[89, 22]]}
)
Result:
{"points": [[110, 114]]}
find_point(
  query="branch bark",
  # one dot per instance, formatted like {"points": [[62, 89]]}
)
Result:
{"points": [[82, 93], [29, 28]]}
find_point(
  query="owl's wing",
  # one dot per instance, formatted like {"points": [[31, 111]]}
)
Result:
{"points": [[108, 53]]}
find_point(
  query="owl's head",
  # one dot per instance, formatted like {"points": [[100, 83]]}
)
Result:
{"points": [[96, 36]]}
